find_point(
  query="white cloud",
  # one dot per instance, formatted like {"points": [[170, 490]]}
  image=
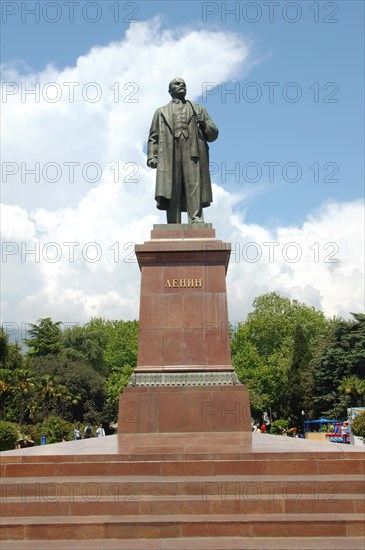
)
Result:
{"points": [[130, 78], [83, 232], [320, 263]]}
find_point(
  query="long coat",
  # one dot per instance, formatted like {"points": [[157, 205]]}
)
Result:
{"points": [[161, 147]]}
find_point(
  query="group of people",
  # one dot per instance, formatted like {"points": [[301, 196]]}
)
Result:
{"points": [[26, 441], [23, 442], [339, 433], [88, 432], [264, 426]]}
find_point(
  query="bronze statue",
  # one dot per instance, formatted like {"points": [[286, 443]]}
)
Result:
{"points": [[178, 148]]}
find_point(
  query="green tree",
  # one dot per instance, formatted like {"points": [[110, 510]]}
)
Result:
{"points": [[29, 396], [341, 356], [354, 388], [24, 394], [3, 346], [44, 338], [11, 359], [358, 426], [76, 374], [115, 383], [55, 429], [102, 344], [298, 368], [8, 435], [266, 350], [83, 344], [11, 356], [121, 349], [275, 318], [102, 328], [83, 395], [263, 382], [54, 396], [90, 341]]}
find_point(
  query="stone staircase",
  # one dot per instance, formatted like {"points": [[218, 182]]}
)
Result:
{"points": [[130, 492]]}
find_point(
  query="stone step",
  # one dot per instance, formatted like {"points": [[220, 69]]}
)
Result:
{"points": [[194, 543], [189, 446], [137, 527], [55, 453], [181, 504], [45, 488], [282, 493], [267, 466]]}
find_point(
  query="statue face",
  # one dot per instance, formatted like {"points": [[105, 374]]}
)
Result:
{"points": [[177, 88]]}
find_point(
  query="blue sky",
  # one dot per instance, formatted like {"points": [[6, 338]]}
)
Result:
{"points": [[322, 53], [299, 167]]}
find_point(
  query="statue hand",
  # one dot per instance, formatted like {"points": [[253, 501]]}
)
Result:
{"points": [[152, 163], [200, 120]]}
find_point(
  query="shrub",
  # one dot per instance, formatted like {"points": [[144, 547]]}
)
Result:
{"points": [[358, 425], [55, 428], [8, 435], [32, 431], [278, 426]]}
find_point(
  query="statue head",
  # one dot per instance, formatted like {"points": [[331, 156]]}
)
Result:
{"points": [[177, 88]]}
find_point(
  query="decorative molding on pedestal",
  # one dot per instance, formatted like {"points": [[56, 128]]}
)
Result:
{"points": [[184, 379], [181, 226]]}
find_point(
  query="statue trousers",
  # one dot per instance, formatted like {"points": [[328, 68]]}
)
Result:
{"points": [[185, 184]]}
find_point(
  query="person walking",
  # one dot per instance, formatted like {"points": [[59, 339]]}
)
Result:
{"points": [[100, 432], [88, 432]]}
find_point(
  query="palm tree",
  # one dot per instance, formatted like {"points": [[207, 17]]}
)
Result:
{"points": [[23, 393], [354, 387]]}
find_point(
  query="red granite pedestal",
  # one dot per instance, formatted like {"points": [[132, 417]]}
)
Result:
{"points": [[183, 320], [184, 380]]}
